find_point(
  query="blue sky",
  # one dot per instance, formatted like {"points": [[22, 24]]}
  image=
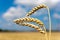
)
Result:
{"points": [[13, 9]]}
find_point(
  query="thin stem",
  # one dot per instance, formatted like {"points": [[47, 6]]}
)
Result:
{"points": [[45, 33], [49, 24]]}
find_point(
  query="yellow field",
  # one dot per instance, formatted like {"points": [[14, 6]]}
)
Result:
{"points": [[27, 36]]}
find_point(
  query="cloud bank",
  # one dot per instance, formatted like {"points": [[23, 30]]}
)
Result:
{"points": [[14, 12]]}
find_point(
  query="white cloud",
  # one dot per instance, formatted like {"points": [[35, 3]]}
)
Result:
{"points": [[55, 1], [14, 12], [56, 15], [29, 2], [50, 3], [45, 18]]}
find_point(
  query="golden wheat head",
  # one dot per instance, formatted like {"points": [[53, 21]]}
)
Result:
{"points": [[33, 26], [36, 8], [28, 19]]}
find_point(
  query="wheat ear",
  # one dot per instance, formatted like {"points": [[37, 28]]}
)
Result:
{"points": [[36, 8], [28, 19], [33, 26]]}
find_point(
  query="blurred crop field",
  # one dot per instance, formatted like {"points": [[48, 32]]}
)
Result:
{"points": [[27, 36]]}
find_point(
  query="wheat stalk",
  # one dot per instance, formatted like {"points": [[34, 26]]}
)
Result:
{"points": [[23, 21], [35, 9]]}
